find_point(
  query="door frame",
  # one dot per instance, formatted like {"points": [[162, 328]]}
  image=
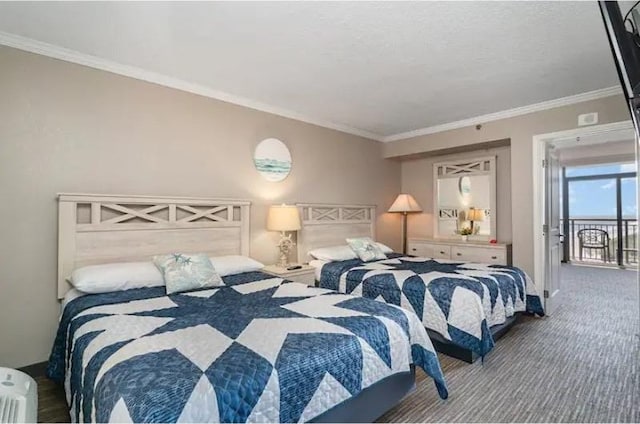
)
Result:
{"points": [[539, 187]]}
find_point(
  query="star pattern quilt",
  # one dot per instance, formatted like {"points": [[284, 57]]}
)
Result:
{"points": [[259, 349], [459, 301]]}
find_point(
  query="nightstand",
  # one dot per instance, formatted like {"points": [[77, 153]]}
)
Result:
{"points": [[305, 275]]}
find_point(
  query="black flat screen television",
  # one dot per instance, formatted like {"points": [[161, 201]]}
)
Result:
{"points": [[625, 45]]}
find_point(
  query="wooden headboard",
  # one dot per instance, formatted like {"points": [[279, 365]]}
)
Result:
{"points": [[95, 229], [326, 225]]}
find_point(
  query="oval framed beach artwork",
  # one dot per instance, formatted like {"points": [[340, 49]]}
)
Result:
{"points": [[272, 159]]}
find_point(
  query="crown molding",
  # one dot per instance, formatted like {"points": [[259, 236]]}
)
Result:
{"points": [[68, 55], [509, 113]]}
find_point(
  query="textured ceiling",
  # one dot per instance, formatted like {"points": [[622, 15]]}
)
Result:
{"points": [[384, 68]]}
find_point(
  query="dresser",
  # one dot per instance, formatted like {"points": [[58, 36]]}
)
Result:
{"points": [[467, 251]]}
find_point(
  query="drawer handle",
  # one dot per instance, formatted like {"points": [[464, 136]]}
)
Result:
{"points": [[441, 252], [494, 257], [459, 254], [414, 249]]}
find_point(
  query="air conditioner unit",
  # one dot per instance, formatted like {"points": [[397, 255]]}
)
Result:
{"points": [[18, 397]]}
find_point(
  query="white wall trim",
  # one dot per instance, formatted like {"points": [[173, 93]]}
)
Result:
{"points": [[509, 113], [539, 141], [68, 55]]}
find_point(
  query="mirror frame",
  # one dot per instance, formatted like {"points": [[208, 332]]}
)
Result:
{"points": [[485, 165]]}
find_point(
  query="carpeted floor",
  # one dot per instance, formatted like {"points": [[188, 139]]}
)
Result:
{"points": [[581, 365]]}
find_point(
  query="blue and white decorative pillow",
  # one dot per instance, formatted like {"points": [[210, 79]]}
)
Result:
{"points": [[366, 249], [187, 272]]}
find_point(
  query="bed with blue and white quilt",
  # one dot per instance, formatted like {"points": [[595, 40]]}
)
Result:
{"points": [[459, 301], [259, 349]]}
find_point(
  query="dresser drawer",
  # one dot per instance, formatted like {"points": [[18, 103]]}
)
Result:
{"points": [[441, 251], [428, 250], [420, 249], [484, 253], [479, 254]]}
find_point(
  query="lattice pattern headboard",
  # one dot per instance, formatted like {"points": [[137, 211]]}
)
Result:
{"points": [[95, 229], [326, 225]]}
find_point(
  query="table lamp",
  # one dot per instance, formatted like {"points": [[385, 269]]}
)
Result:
{"points": [[284, 218], [476, 215], [405, 204]]}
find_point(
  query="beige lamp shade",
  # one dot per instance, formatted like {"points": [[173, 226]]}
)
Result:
{"points": [[405, 203], [283, 218], [475, 214]]}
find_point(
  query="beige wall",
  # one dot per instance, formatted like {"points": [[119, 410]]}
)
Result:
{"points": [[67, 128], [417, 180], [520, 130]]}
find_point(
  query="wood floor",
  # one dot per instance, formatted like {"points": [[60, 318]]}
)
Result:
{"points": [[52, 406], [581, 365]]}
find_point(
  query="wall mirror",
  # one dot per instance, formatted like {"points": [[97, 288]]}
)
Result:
{"points": [[465, 199]]}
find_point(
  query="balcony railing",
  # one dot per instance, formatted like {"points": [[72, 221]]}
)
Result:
{"points": [[598, 256]]}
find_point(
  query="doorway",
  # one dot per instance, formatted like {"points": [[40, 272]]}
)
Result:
{"points": [[555, 175]]}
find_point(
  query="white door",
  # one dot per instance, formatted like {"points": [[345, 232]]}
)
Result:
{"points": [[552, 231]]}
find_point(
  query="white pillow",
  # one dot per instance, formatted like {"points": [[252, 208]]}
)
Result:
{"points": [[116, 276], [235, 264], [334, 253], [384, 248]]}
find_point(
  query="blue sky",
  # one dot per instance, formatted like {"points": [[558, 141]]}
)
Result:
{"points": [[597, 198]]}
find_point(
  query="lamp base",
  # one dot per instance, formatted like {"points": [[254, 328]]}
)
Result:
{"points": [[404, 233], [285, 246]]}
